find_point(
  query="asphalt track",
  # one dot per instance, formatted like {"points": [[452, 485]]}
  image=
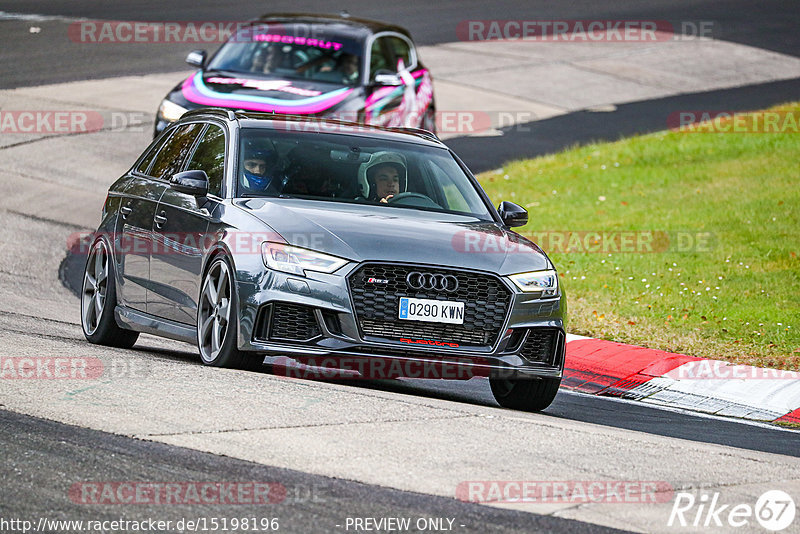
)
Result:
{"points": [[43, 458], [26, 59], [40, 58], [549, 136]]}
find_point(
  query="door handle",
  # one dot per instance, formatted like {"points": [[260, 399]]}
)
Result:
{"points": [[125, 210], [160, 219]]}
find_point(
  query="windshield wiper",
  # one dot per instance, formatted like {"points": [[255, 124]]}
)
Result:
{"points": [[254, 195], [225, 72]]}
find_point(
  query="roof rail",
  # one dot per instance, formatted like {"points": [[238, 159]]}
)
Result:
{"points": [[419, 131], [219, 112]]}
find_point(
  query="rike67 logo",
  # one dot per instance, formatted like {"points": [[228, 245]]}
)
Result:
{"points": [[774, 510]]}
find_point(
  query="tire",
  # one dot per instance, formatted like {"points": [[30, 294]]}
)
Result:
{"points": [[98, 300], [526, 394], [216, 332]]}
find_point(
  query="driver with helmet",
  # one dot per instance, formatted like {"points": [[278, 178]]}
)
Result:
{"points": [[383, 176], [259, 163]]}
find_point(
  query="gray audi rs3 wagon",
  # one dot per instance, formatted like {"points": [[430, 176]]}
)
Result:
{"points": [[264, 237]]}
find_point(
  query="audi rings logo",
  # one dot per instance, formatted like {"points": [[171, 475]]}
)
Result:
{"points": [[435, 282]]}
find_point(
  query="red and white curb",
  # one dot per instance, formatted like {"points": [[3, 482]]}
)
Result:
{"points": [[656, 377]]}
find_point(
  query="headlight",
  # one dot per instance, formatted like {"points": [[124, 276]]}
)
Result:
{"points": [[544, 282], [170, 111], [297, 260]]}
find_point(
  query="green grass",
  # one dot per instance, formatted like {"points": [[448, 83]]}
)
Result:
{"points": [[737, 297]]}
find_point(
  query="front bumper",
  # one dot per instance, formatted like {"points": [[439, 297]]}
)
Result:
{"points": [[327, 302]]}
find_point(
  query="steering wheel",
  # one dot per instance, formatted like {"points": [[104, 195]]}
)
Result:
{"points": [[413, 199]]}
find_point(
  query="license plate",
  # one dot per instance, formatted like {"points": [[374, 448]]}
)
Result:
{"points": [[434, 311]]}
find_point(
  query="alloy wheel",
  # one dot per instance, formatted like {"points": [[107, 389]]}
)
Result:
{"points": [[95, 287], [214, 311]]}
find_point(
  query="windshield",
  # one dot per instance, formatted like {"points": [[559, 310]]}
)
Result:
{"points": [[292, 51], [354, 169]]}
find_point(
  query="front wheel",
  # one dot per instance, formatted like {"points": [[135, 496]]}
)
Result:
{"points": [[98, 300], [526, 394], [216, 320]]}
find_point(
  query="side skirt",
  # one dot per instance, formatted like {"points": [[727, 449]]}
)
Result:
{"points": [[143, 322]]}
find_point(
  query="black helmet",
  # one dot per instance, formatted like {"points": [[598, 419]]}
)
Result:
{"points": [[260, 149]]}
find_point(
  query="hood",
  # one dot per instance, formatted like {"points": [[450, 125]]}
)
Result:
{"points": [[252, 93], [363, 232]]}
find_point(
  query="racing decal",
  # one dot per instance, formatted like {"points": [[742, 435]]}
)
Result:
{"points": [[265, 85], [305, 41], [416, 99], [195, 90], [431, 342]]}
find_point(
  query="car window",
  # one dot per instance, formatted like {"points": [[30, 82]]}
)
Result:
{"points": [[456, 194], [400, 50], [210, 157], [355, 169], [170, 159], [378, 60], [144, 164], [291, 52]]}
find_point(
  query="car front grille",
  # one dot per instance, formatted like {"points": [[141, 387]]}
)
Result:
{"points": [[283, 321], [540, 345], [486, 301], [442, 332]]}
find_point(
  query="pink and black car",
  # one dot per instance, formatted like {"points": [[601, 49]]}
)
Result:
{"points": [[316, 65]]}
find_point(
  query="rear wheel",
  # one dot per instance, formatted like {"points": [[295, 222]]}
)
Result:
{"points": [[98, 300], [217, 324], [527, 394]]}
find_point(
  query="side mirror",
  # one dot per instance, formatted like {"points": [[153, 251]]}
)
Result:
{"points": [[512, 214], [193, 183], [383, 77], [196, 58]]}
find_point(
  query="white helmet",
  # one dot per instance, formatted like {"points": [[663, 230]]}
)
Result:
{"points": [[367, 182]]}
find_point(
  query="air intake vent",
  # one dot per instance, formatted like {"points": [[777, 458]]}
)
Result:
{"points": [[540, 345], [282, 321]]}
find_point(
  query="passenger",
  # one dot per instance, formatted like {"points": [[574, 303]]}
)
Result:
{"points": [[343, 70], [267, 59], [347, 66], [306, 174], [275, 57], [258, 60], [259, 166], [383, 176]]}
